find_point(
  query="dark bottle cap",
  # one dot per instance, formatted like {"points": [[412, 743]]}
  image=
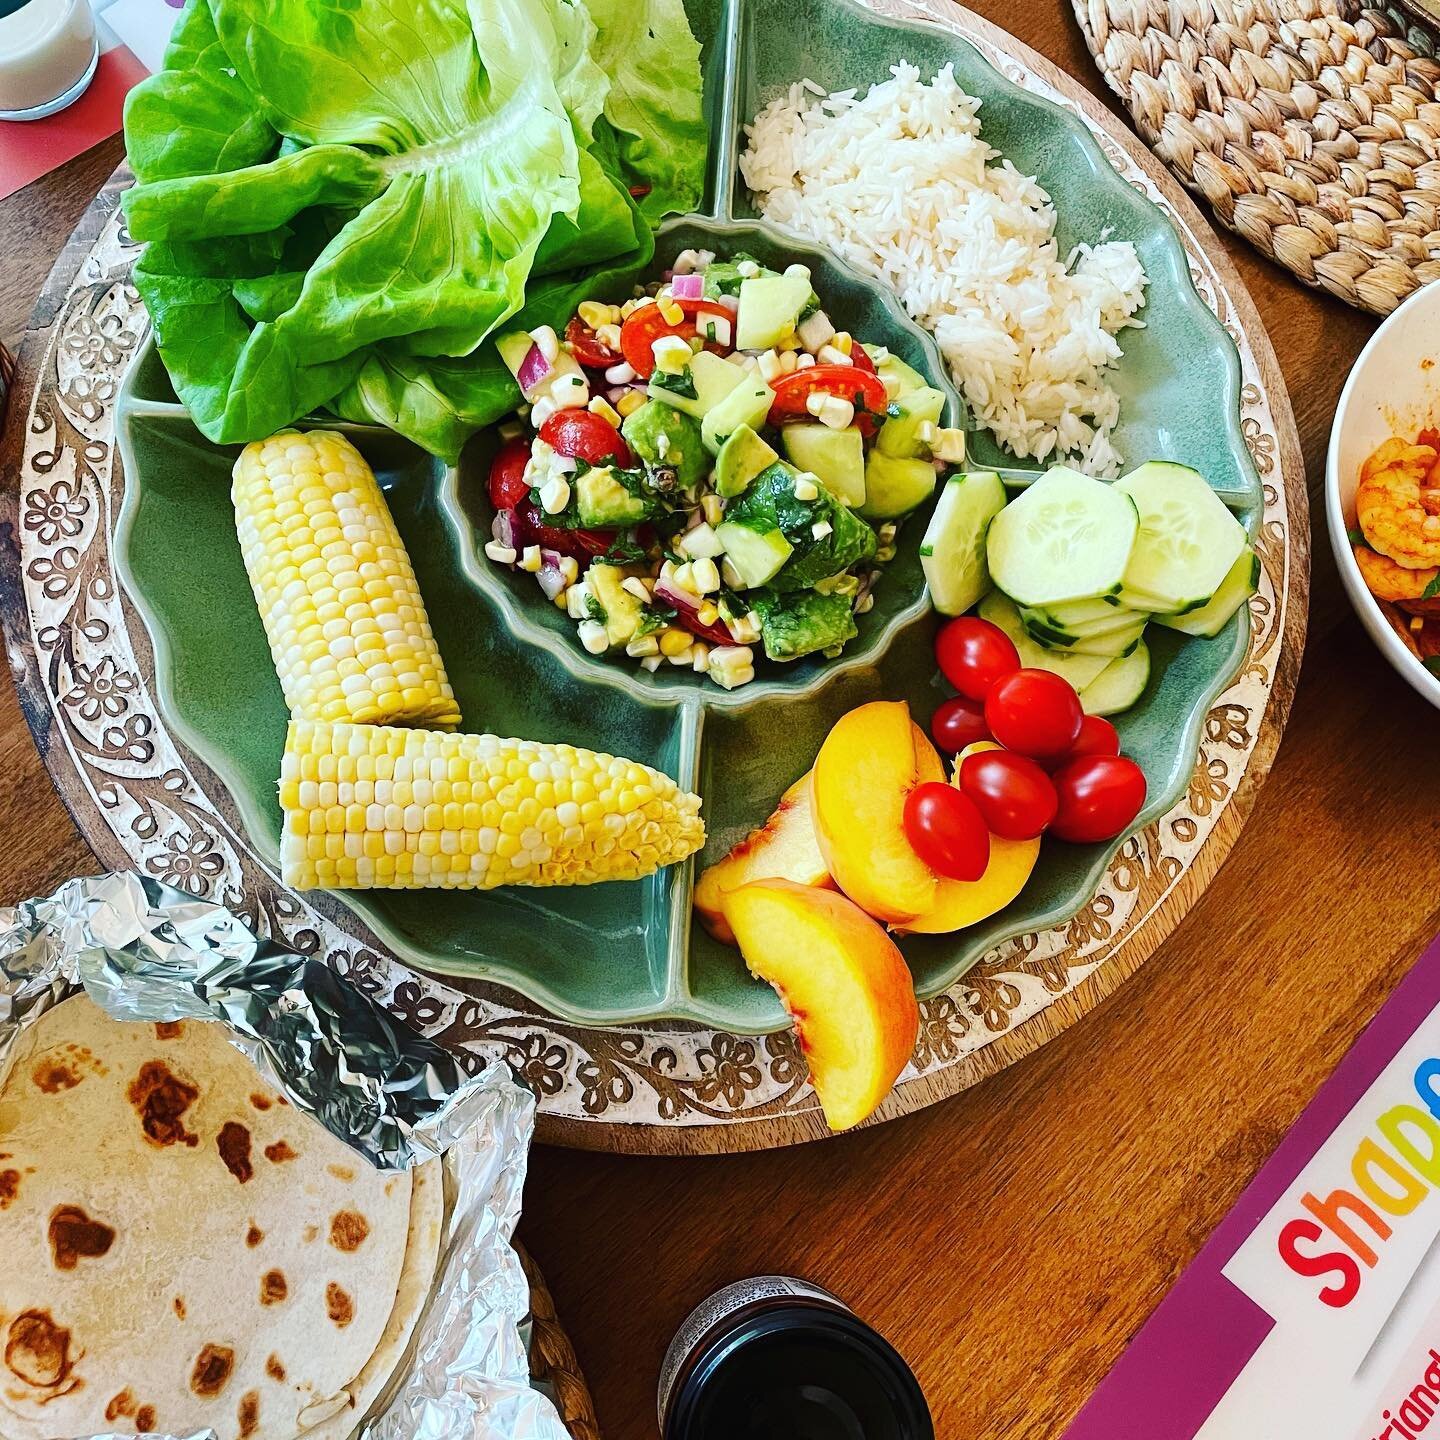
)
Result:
{"points": [[790, 1367]]}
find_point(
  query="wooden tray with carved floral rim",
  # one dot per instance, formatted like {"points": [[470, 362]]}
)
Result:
{"points": [[84, 669]]}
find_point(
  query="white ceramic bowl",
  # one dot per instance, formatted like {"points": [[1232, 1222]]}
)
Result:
{"points": [[1394, 389]]}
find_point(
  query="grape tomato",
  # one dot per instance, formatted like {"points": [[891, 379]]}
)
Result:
{"points": [[508, 485], [1099, 797], [1034, 712], [947, 831], [1013, 794], [648, 324], [973, 654], [583, 435], [958, 722], [1097, 737]]}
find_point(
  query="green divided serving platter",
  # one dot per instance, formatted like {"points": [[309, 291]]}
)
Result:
{"points": [[631, 952]]}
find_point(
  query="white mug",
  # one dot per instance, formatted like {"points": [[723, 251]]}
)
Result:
{"points": [[48, 54]]}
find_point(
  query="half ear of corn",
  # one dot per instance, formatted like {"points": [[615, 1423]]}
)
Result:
{"points": [[379, 807], [336, 591]]}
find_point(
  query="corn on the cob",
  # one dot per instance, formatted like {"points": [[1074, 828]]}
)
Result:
{"points": [[379, 807], [336, 591]]}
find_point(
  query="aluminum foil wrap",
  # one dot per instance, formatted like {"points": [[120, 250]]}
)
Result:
{"points": [[145, 951]]}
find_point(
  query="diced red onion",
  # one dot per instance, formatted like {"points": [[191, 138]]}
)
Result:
{"points": [[503, 529], [688, 287], [552, 582], [534, 368]]}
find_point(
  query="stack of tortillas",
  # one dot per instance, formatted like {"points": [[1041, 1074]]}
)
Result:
{"points": [[180, 1249]]}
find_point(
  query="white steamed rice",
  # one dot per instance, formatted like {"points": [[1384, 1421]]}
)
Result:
{"points": [[901, 183]]}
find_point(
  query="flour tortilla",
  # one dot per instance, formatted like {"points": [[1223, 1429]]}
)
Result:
{"points": [[116, 1341]]}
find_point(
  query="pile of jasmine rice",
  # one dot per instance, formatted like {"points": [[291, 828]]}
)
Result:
{"points": [[901, 183]]}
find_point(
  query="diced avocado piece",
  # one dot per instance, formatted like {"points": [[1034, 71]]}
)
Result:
{"points": [[895, 485], [710, 377], [769, 306], [900, 378], [742, 457], [623, 612], [747, 404], [663, 436], [756, 554], [850, 540], [796, 625], [899, 435], [770, 503], [836, 456], [604, 501]]}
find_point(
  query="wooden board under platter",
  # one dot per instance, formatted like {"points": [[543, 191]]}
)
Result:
{"points": [[84, 669]]}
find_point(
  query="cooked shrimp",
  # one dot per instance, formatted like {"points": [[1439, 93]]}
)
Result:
{"points": [[1386, 580], [1398, 504]]}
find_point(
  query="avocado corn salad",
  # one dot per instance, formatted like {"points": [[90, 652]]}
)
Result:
{"points": [[711, 470]]}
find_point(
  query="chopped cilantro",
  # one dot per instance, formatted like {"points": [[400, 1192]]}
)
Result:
{"points": [[594, 609], [625, 549], [1356, 536], [653, 618], [679, 384], [1431, 590]]}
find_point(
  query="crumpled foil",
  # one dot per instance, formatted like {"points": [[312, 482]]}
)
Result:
{"points": [[145, 951]]}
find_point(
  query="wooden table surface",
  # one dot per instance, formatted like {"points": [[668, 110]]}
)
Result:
{"points": [[1012, 1240]]}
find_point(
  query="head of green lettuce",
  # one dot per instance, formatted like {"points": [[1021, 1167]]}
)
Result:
{"points": [[345, 199]]}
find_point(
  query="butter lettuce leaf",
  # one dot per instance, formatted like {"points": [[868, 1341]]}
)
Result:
{"points": [[654, 101], [347, 199]]}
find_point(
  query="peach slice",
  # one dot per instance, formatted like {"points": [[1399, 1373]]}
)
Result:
{"points": [[783, 848], [959, 903], [870, 761], [842, 980]]}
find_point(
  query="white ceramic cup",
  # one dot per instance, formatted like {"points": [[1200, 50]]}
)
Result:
{"points": [[1394, 389], [48, 55]]}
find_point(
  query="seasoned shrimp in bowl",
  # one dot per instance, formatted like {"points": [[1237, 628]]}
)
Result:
{"points": [[1396, 540], [1382, 490]]}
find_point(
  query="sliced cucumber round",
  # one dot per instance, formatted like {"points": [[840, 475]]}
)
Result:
{"points": [[1236, 588], [1118, 642], [1079, 670], [1066, 538], [952, 554], [1119, 685], [1187, 541], [1117, 617], [1073, 614]]}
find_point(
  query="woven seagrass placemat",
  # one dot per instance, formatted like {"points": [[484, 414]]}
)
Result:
{"points": [[1311, 127]]}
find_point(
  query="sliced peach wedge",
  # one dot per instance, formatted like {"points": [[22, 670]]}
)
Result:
{"points": [[783, 848], [959, 903], [870, 761], [843, 982]]}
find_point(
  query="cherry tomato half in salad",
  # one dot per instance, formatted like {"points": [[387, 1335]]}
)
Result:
{"points": [[958, 722], [1099, 795], [585, 436], [1034, 712], [860, 358], [530, 529], [1012, 793], [973, 655], [947, 831], [508, 485], [646, 325], [587, 347], [1097, 737], [863, 388]]}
